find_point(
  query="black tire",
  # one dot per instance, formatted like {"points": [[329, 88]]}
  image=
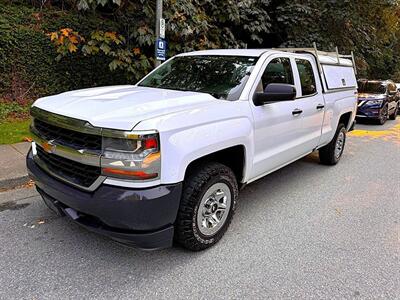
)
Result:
{"points": [[327, 154], [383, 115], [187, 232], [394, 115]]}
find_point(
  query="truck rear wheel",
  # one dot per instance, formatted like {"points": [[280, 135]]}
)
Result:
{"points": [[331, 153], [207, 206]]}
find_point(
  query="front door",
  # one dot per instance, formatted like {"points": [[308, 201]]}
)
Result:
{"points": [[278, 126]]}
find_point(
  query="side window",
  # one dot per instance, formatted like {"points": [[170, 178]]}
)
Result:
{"points": [[307, 78], [278, 70]]}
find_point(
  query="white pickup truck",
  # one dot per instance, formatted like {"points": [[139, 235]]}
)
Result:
{"points": [[164, 160]]}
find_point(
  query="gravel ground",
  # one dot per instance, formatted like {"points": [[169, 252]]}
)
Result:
{"points": [[306, 231]]}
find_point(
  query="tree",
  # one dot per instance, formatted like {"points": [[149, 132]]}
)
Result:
{"points": [[191, 25], [370, 28]]}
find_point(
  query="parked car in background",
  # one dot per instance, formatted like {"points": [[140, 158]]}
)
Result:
{"points": [[378, 100], [165, 159]]}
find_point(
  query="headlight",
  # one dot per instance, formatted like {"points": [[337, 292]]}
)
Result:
{"points": [[374, 102], [136, 157]]}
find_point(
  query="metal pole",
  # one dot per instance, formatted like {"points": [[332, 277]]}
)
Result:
{"points": [[159, 8]]}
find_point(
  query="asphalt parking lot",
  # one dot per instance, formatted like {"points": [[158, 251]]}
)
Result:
{"points": [[306, 231]]}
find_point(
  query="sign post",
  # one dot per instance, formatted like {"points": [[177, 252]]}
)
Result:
{"points": [[161, 49], [162, 28], [160, 46]]}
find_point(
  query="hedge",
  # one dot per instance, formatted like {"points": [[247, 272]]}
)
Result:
{"points": [[27, 58]]}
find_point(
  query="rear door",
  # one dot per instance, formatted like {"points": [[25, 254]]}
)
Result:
{"points": [[311, 101]]}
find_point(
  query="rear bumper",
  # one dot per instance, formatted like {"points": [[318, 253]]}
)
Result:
{"points": [[142, 218]]}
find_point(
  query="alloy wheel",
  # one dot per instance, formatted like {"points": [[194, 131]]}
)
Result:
{"points": [[339, 147], [384, 115], [214, 209]]}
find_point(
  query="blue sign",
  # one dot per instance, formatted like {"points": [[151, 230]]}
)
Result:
{"points": [[161, 49]]}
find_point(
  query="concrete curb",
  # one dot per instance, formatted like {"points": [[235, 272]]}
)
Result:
{"points": [[13, 172], [11, 183]]}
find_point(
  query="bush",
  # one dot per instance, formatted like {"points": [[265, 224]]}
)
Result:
{"points": [[27, 58]]}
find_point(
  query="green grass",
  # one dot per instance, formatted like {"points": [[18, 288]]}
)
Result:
{"points": [[14, 131], [12, 109], [14, 121]]}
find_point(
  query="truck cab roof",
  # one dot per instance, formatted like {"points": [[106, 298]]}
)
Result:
{"points": [[324, 57]]}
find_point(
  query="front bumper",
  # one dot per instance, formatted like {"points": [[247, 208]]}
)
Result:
{"points": [[142, 218], [368, 112]]}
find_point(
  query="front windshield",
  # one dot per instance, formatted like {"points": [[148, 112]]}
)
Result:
{"points": [[223, 77], [372, 87]]}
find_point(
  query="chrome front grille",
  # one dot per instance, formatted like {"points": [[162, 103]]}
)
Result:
{"points": [[72, 171], [67, 137], [67, 148]]}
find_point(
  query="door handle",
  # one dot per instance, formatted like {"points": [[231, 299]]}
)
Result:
{"points": [[297, 112], [320, 106]]}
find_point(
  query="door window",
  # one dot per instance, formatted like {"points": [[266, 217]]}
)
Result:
{"points": [[278, 70], [307, 78]]}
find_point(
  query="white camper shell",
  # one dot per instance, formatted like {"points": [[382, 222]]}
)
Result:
{"points": [[338, 70]]}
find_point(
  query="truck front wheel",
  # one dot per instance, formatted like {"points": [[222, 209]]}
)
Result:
{"points": [[396, 111], [331, 153], [207, 206]]}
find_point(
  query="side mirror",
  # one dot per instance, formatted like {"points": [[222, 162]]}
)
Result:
{"points": [[275, 92]]}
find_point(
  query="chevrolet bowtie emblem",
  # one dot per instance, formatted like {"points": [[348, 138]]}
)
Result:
{"points": [[49, 146]]}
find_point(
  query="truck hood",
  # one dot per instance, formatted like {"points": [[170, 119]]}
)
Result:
{"points": [[367, 96], [122, 107]]}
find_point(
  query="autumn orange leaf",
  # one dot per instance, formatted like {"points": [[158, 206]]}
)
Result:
{"points": [[111, 35], [66, 31], [72, 48], [136, 51], [73, 39], [53, 36]]}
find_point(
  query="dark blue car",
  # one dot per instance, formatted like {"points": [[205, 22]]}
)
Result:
{"points": [[378, 100]]}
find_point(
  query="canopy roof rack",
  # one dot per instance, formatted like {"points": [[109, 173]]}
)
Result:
{"points": [[317, 53]]}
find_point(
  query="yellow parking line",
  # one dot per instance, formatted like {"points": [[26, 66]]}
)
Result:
{"points": [[392, 134]]}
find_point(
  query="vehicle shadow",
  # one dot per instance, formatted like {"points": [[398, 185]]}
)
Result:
{"points": [[365, 121], [372, 125]]}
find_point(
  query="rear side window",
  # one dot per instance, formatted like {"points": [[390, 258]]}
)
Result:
{"points": [[278, 70], [307, 78]]}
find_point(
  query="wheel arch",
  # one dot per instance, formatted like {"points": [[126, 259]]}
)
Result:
{"points": [[233, 157], [346, 118]]}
